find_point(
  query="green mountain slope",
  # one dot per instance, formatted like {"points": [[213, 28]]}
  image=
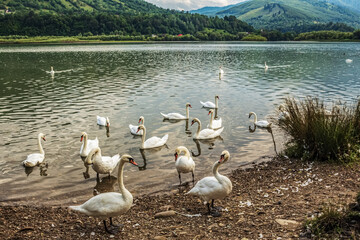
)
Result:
{"points": [[288, 15], [61, 6]]}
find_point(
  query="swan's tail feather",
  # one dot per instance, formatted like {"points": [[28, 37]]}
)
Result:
{"points": [[202, 103], [75, 208], [165, 138], [164, 115], [193, 191], [219, 131]]}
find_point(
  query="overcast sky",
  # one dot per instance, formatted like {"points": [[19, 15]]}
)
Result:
{"points": [[192, 4]]}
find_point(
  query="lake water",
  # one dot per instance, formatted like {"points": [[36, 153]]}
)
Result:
{"points": [[125, 81]]}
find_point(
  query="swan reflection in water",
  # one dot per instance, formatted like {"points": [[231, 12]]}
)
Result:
{"points": [[107, 131], [105, 184], [150, 150], [43, 167], [269, 130], [209, 142], [187, 130]]}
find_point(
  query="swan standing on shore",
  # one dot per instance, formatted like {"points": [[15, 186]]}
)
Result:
{"points": [[152, 142], [262, 123], [209, 104], [221, 73], [214, 123], [214, 187], [102, 121], [184, 164], [101, 164], [36, 158], [205, 133], [177, 116], [87, 145], [133, 128], [111, 204]]}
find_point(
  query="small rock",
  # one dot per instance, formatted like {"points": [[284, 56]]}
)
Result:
{"points": [[288, 224], [166, 207], [92, 233], [159, 238], [213, 226], [111, 236], [221, 225], [165, 214]]}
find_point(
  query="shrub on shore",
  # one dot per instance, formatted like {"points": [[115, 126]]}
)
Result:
{"points": [[319, 134]]}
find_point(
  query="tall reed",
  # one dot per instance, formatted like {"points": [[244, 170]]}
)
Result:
{"points": [[320, 134]]}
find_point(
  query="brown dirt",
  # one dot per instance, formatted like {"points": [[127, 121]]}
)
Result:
{"points": [[279, 189]]}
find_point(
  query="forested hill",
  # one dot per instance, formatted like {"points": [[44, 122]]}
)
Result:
{"points": [[71, 6]]}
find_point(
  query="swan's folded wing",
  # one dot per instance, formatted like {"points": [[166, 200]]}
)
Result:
{"points": [[33, 159], [101, 205], [206, 132], [175, 116]]}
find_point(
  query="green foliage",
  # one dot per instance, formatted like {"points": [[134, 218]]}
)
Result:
{"points": [[325, 35], [319, 134], [253, 37]]}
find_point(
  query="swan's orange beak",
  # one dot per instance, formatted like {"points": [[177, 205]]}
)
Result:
{"points": [[176, 156], [139, 120], [190, 106], [192, 123], [217, 97], [133, 162], [221, 158], [209, 112], [82, 137], [44, 138], [138, 130]]}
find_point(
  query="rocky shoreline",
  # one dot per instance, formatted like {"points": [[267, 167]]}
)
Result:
{"points": [[270, 200]]}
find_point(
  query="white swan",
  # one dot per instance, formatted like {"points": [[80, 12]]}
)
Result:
{"points": [[87, 145], [103, 121], [36, 158], [177, 116], [52, 72], [133, 128], [348, 61], [283, 113], [221, 73], [266, 66], [110, 204], [215, 187], [209, 104], [214, 123], [262, 123], [101, 164], [184, 164], [152, 142], [205, 133]]}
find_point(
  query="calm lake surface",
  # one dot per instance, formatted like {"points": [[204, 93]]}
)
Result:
{"points": [[125, 81]]}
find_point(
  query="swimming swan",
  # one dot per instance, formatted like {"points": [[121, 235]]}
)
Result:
{"points": [[209, 104], [177, 116], [214, 123], [102, 121], [36, 158], [133, 128], [184, 164], [205, 133], [262, 123], [110, 204], [152, 142], [214, 187], [87, 145]]}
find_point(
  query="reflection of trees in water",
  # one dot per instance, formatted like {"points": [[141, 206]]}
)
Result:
{"points": [[43, 167], [105, 184], [269, 130]]}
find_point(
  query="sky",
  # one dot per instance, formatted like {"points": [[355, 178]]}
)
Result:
{"points": [[192, 4]]}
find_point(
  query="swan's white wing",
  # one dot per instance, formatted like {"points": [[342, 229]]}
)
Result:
{"points": [[104, 205], [185, 164], [33, 159], [209, 133], [263, 123], [155, 141], [208, 104], [216, 124], [173, 116], [133, 130], [101, 121]]}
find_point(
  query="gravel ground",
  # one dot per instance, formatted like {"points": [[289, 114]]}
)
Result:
{"points": [[270, 200]]}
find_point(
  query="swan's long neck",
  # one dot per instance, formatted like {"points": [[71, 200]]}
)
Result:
{"points": [[255, 117], [211, 119], [143, 137], [85, 142], [187, 112], [40, 146], [199, 128], [186, 151], [216, 102], [216, 173], [125, 193]]}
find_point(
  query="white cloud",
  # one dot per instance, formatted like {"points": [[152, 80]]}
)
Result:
{"points": [[192, 4]]}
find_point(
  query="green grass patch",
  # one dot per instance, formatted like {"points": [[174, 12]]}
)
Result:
{"points": [[321, 134]]}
